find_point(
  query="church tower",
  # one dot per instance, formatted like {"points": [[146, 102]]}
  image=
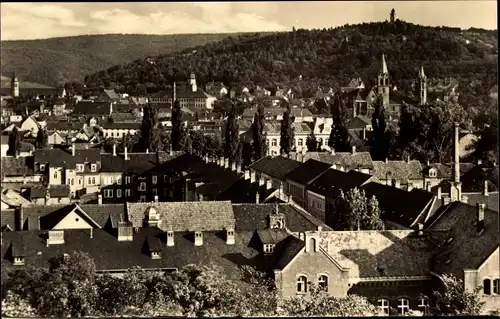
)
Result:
{"points": [[192, 82], [383, 84], [14, 86], [422, 86]]}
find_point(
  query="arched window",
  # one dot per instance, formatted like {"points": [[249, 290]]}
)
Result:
{"points": [[323, 282], [403, 306], [274, 142], [383, 305], [312, 244], [302, 284], [487, 287], [496, 284], [423, 305]]}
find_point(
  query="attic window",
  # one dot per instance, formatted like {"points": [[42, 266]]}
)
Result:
{"points": [[268, 248], [79, 167], [42, 167], [155, 255], [18, 261], [93, 167], [432, 173]]}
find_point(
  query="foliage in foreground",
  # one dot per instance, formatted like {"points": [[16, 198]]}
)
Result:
{"points": [[455, 301]]}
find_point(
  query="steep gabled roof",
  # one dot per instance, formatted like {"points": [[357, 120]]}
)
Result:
{"points": [[399, 170], [307, 172]]}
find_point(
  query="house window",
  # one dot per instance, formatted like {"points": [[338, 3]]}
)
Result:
{"points": [[432, 173], [18, 261], [274, 142], [93, 167], [42, 167], [403, 306], [323, 282], [128, 193], [119, 193], [108, 193], [142, 186], [165, 178], [55, 174], [142, 198], [383, 305], [79, 167], [300, 142], [89, 181], [302, 284], [487, 287], [496, 284], [80, 181], [423, 304], [155, 179], [119, 180], [268, 248], [155, 191], [93, 180], [128, 179]]}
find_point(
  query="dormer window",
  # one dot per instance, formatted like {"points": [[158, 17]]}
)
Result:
{"points": [[18, 261], [79, 167], [93, 167], [432, 172], [42, 167], [268, 248], [155, 255]]}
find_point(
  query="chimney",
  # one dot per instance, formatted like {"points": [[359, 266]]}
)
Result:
{"points": [[456, 187], [364, 133], [156, 198], [332, 151], [269, 184], [230, 235], [262, 181], [91, 232], [252, 177], [147, 150], [420, 229], [238, 168], [226, 163], [200, 197], [198, 238], [439, 193], [479, 162], [222, 161], [99, 199], [114, 149], [20, 218], [353, 149], [257, 199], [410, 186], [386, 160], [408, 159], [170, 237], [480, 217], [55, 237], [125, 231], [485, 189], [428, 163], [233, 166], [247, 174], [73, 150], [398, 184], [174, 93], [126, 154]]}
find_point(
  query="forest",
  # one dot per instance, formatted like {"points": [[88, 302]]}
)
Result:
{"points": [[305, 59], [55, 61]]}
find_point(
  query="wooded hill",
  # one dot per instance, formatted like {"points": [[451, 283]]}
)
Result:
{"points": [[328, 57], [58, 60]]}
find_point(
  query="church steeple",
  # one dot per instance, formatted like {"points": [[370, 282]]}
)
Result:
{"points": [[14, 86], [383, 84], [422, 86]]}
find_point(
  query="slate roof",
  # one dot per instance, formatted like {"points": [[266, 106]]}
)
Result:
{"points": [[64, 126], [111, 94], [187, 94], [399, 170], [398, 253], [275, 111], [274, 127], [256, 216], [19, 166], [307, 172], [275, 166], [394, 203], [243, 191], [55, 191], [347, 159], [59, 157], [468, 249], [124, 117], [13, 198], [443, 171], [331, 182], [8, 219], [186, 216], [104, 215], [108, 253], [121, 125], [216, 179], [91, 108]]}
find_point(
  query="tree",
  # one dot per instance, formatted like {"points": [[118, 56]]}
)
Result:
{"points": [[150, 132], [259, 135], [232, 145], [354, 211], [393, 15], [312, 143], [42, 138], [178, 132], [339, 136], [15, 306], [15, 139], [455, 301], [287, 139], [380, 143]]}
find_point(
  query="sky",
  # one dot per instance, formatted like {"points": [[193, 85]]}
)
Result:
{"points": [[23, 21]]}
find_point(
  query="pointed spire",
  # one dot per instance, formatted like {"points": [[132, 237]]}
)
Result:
{"points": [[384, 65], [421, 72]]}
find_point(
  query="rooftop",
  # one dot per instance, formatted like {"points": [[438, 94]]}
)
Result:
{"points": [[275, 166], [307, 172]]}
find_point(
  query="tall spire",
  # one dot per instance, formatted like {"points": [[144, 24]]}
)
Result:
{"points": [[384, 65], [421, 73]]}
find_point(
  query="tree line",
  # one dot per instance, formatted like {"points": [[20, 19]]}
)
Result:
{"points": [[71, 287]]}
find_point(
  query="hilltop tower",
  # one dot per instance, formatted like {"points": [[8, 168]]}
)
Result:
{"points": [[383, 83], [14, 86], [422, 86], [192, 82]]}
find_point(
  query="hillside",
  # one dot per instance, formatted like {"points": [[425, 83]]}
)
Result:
{"points": [[57, 60], [328, 57], [5, 83]]}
